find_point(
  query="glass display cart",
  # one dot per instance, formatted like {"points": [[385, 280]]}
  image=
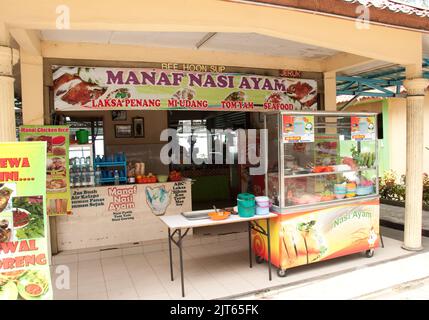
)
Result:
{"points": [[322, 180]]}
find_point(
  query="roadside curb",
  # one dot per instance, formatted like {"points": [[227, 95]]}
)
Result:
{"points": [[399, 226]]}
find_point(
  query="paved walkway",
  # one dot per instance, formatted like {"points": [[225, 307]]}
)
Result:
{"points": [[412, 290], [396, 215], [406, 278], [212, 270]]}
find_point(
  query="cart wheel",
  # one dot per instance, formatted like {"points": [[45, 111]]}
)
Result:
{"points": [[281, 273], [369, 253], [259, 259]]}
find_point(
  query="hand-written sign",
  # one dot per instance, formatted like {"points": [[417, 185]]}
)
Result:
{"points": [[179, 192]]}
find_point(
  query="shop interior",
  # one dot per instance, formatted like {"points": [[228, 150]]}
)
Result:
{"points": [[212, 184]]}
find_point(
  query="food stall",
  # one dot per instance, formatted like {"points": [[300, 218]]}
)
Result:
{"points": [[322, 181], [134, 106]]}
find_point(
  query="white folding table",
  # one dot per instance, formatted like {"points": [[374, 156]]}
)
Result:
{"points": [[175, 224]]}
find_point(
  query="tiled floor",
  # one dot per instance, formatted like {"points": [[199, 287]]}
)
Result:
{"points": [[214, 270]]}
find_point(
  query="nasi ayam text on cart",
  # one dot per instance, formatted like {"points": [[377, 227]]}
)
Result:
{"points": [[201, 80], [351, 215]]}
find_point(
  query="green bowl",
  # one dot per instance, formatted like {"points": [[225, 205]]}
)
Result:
{"points": [[162, 178]]}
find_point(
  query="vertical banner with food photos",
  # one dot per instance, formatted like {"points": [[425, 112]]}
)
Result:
{"points": [[57, 164], [24, 266], [298, 129], [363, 128]]}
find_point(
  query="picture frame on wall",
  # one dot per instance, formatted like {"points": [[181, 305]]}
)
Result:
{"points": [[119, 115], [123, 131], [138, 127]]}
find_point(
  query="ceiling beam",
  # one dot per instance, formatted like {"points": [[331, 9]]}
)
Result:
{"points": [[377, 42], [93, 51], [28, 40], [204, 39], [343, 61]]}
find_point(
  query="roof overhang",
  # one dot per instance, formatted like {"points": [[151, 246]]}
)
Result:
{"points": [[394, 13]]}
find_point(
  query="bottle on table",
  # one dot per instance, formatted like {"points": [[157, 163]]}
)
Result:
{"points": [[116, 176], [97, 177]]}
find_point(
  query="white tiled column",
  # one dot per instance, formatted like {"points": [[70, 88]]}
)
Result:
{"points": [[414, 180], [8, 57]]}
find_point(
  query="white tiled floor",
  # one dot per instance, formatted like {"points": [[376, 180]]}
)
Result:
{"points": [[213, 270]]}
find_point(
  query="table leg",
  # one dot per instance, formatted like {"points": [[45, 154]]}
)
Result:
{"points": [[181, 263], [249, 227], [171, 255], [269, 248]]}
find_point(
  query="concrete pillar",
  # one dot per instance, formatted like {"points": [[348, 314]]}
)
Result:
{"points": [[414, 180], [330, 91], [32, 88], [8, 57]]}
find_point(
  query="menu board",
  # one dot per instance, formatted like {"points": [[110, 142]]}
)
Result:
{"points": [[363, 128], [327, 151], [57, 165], [298, 129], [24, 267], [99, 88]]}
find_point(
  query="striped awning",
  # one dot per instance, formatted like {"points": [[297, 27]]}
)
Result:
{"points": [[417, 7]]}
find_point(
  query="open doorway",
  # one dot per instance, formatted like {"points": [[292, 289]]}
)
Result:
{"points": [[215, 180]]}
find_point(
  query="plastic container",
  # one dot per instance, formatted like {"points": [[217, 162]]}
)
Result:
{"points": [[262, 205], [363, 191], [351, 190], [162, 178], [340, 191], [246, 205], [82, 136]]}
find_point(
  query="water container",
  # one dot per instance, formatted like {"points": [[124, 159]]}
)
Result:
{"points": [[262, 205], [82, 136], [246, 205]]}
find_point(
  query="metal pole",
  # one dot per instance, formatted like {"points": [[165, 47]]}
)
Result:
{"points": [[181, 263], [171, 256], [269, 248], [249, 227]]}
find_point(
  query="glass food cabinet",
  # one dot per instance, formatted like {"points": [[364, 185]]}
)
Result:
{"points": [[320, 158]]}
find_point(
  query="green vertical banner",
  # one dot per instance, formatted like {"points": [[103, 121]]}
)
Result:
{"points": [[57, 165], [24, 266]]}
